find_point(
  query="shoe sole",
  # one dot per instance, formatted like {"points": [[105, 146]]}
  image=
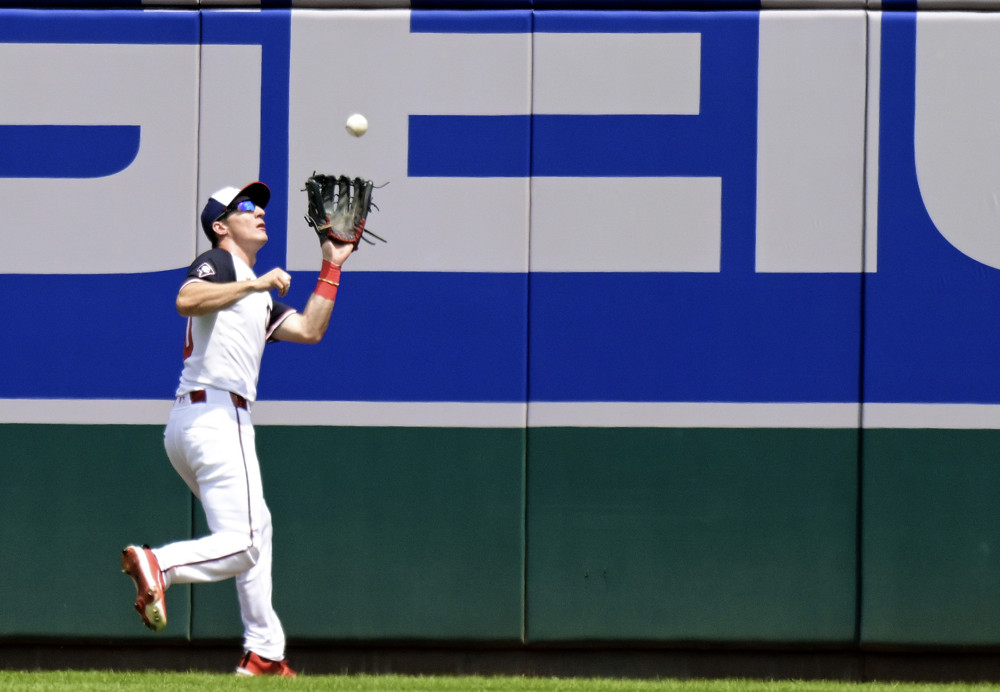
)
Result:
{"points": [[135, 563], [250, 673]]}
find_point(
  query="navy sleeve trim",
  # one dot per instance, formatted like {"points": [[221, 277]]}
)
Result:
{"points": [[279, 313], [215, 265]]}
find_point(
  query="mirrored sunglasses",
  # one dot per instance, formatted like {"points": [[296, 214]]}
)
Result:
{"points": [[244, 205]]}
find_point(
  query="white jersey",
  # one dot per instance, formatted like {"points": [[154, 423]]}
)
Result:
{"points": [[223, 350]]}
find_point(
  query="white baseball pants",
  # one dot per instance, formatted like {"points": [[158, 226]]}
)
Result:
{"points": [[211, 445]]}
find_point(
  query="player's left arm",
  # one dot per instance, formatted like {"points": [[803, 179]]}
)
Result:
{"points": [[309, 326]]}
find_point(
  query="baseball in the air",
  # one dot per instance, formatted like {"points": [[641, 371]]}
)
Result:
{"points": [[357, 124]]}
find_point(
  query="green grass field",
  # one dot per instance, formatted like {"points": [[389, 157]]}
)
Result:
{"points": [[173, 682]]}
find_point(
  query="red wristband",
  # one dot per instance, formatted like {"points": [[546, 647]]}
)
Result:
{"points": [[329, 281]]}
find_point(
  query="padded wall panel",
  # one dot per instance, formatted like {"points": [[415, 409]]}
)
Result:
{"points": [[422, 558], [724, 287], [73, 497], [86, 93], [691, 535], [929, 527], [385, 534], [931, 533]]}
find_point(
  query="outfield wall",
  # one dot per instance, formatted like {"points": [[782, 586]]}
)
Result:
{"points": [[685, 332]]}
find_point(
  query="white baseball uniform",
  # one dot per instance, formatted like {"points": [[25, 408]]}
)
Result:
{"points": [[209, 439]]}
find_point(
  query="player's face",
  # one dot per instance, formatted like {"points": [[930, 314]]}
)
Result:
{"points": [[246, 225]]}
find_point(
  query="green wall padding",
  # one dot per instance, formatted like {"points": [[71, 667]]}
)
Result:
{"points": [[73, 496], [389, 534], [931, 548], [668, 535]]}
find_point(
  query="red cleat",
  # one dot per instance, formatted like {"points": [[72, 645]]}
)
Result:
{"points": [[141, 565], [252, 664]]}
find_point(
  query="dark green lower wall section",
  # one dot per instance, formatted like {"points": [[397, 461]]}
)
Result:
{"points": [[691, 535], [389, 534], [931, 550], [380, 534], [72, 497], [544, 536]]}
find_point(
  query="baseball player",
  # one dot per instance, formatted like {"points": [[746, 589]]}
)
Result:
{"points": [[209, 437]]}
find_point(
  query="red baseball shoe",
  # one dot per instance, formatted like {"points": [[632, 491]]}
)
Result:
{"points": [[252, 664], [141, 565]]}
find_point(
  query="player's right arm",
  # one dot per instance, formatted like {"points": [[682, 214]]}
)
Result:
{"points": [[205, 297]]}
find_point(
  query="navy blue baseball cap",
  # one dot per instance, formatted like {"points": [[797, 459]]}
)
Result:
{"points": [[219, 203]]}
